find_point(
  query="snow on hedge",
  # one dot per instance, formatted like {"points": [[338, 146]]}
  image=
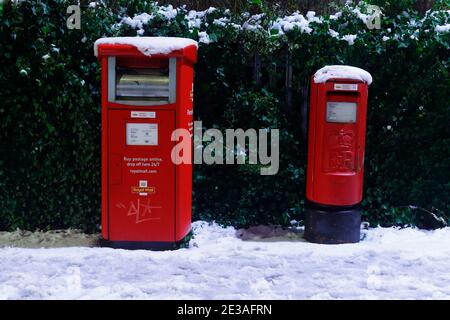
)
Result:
{"points": [[148, 45], [209, 25], [443, 28], [296, 20]]}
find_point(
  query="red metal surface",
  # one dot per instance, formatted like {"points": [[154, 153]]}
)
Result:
{"points": [[132, 216], [335, 167], [165, 213], [104, 88], [184, 119]]}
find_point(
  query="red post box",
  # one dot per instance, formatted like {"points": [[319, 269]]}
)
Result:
{"points": [[147, 85], [336, 140]]}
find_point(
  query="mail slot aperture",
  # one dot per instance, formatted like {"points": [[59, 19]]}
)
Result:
{"points": [[135, 82]]}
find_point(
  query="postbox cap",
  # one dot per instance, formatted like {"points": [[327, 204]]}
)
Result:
{"points": [[148, 46], [342, 72]]}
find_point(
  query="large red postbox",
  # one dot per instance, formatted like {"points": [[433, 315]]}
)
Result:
{"points": [[336, 143], [147, 93]]}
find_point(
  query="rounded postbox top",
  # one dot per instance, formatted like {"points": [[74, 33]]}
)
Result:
{"points": [[147, 46], [342, 72]]}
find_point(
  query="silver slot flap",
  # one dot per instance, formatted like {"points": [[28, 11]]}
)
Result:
{"points": [[142, 84]]}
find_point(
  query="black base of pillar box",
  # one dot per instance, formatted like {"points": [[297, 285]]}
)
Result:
{"points": [[141, 245], [331, 224]]}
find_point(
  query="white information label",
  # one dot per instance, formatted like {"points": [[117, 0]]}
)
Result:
{"points": [[346, 86], [143, 114], [142, 134], [341, 112]]}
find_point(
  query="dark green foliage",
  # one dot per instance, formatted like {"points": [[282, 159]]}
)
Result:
{"points": [[50, 116]]}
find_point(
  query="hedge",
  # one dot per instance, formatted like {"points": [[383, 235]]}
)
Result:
{"points": [[253, 72]]}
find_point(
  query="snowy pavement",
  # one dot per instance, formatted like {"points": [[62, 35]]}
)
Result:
{"points": [[389, 264]]}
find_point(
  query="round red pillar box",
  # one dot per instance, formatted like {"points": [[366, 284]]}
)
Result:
{"points": [[147, 85], [336, 141]]}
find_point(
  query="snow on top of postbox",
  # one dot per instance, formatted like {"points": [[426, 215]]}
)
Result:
{"points": [[342, 72], [148, 45]]}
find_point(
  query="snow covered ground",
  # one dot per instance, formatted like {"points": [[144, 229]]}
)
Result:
{"points": [[389, 263]]}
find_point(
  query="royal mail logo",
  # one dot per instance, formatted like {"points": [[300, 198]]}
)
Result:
{"points": [[143, 189]]}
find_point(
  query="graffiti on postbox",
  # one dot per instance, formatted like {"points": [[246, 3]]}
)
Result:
{"points": [[142, 211]]}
